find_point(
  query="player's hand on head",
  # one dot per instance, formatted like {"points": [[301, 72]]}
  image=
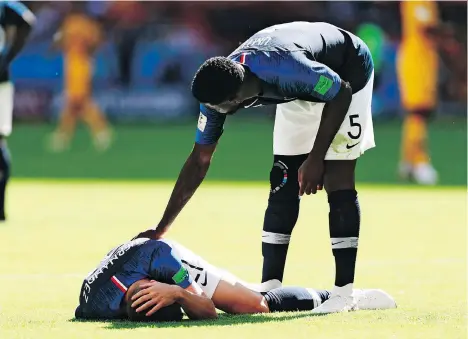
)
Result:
{"points": [[310, 176], [153, 296]]}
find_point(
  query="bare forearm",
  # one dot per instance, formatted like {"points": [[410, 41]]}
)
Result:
{"points": [[333, 115], [190, 178], [196, 307]]}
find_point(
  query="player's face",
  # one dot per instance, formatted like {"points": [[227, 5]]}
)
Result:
{"points": [[243, 98], [227, 107]]}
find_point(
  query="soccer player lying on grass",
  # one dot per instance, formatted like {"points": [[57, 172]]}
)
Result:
{"points": [[154, 280]]}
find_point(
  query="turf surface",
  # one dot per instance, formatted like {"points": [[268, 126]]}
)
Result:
{"points": [[413, 244]]}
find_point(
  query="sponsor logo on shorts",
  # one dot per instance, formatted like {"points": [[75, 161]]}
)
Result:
{"points": [[202, 122], [323, 85], [351, 146]]}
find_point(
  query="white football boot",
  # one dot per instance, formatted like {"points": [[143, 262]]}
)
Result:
{"points": [[341, 299], [405, 171], [425, 174], [422, 174], [103, 140], [374, 299]]}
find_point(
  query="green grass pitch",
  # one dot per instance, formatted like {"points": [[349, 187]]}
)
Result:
{"points": [[412, 244]]}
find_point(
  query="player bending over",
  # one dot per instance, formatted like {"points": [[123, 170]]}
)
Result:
{"points": [[321, 78], [148, 279]]}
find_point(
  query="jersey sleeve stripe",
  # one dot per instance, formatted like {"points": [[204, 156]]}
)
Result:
{"points": [[22, 11], [119, 284]]}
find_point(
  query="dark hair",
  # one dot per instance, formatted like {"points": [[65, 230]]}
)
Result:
{"points": [[217, 80], [169, 313]]}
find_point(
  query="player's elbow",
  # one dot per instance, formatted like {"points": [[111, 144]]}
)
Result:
{"points": [[206, 311], [345, 94], [211, 313]]}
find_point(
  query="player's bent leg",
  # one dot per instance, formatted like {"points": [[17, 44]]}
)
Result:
{"points": [[234, 298], [281, 215]]}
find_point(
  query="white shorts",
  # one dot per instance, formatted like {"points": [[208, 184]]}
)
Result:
{"points": [[297, 123], [6, 108], [204, 274]]}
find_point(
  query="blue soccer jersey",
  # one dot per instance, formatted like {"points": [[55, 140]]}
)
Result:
{"points": [[296, 61], [12, 14], [104, 288]]}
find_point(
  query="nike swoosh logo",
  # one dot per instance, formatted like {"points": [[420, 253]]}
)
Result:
{"points": [[253, 103], [335, 243], [351, 146]]}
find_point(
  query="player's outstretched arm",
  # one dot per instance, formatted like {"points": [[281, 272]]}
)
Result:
{"points": [[191, 176], [312, 170], [333, 115]]}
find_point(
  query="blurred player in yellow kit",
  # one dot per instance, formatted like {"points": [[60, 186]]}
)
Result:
{"points": [[78, 38], [417, 68]]}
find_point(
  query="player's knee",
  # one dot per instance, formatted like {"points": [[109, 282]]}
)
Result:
{"points": [[339, 175], [238, 299], [249, 306], [425, 113], [75, 105], [283, 203], [284, 185]]}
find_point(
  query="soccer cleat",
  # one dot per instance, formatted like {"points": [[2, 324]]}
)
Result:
{"points": [[58, 142], [374, 299], [337, 303], [404, 171], [341, 300], [103, 140], [424, 174]]}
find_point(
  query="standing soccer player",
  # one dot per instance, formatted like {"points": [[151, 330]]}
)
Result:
{"points": [[16, 21], [321, 78], [423, 33], [79, 38]]}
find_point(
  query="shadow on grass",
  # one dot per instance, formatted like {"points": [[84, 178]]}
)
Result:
{"points": [[223, 320]]}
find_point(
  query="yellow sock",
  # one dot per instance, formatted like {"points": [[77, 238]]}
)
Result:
{"points": [[414, 143]]}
